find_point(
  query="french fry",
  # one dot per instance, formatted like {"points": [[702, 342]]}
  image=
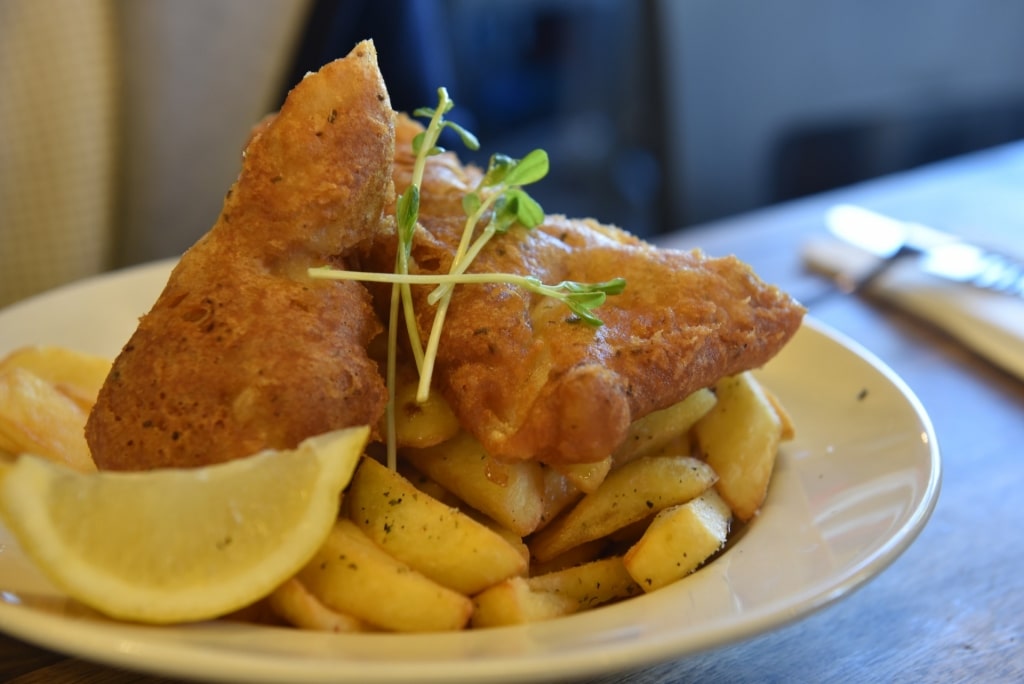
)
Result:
{"points": [[513, 602], [433, 489], [527, 541], [678, 541], [37, 418], [658, 429], [556, 594], [629, 534], [513, 539], [352, 575], [788, 427], [586, 477], [635, 491], [577, 555], [421, 424], [740, 438], [441, 542], [590, 584], [294, 604], [76, 374], [510, 493], [559, 494], [427, 485]]}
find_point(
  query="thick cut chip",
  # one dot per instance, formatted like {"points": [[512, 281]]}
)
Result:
{"points": [[740, 439], [177, 545], [510, 493], [678, 540], [589, 584], [577, 555], [513, 602], [352, 575], [552, 595], [439, 541], [788, 427], [635, 491], [293, 603], [37, 418], [586, 477], [421, 424], [660, 429], [559, 494], [74, 373]]}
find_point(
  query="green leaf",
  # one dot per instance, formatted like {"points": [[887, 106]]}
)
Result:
{"points": [[588, 300], [528, 212], [446, 102], [582, 303], [586, 315], [407, 213], [504, 216], [468, 139], [417, 142], [529, 169], [497, 168], [470, 203], [583, 298], [613, 287]]}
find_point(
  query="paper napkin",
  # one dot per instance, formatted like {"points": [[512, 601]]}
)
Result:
{"points": [[990, 323]]}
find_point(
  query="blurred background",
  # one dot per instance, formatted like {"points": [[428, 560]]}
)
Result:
{"points": [[123, 120]]}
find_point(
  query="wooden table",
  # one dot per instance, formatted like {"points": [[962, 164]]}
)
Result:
{"points": [[951, 608]]}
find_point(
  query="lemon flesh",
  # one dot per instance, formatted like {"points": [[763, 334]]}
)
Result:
{"points": [[176, 545]]}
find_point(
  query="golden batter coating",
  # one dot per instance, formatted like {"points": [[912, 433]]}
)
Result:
{"points": [[531, 381], [243, 351]]}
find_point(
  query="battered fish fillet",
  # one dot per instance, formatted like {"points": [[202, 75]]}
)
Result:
{"points": [[242, 351], [530, 381]]}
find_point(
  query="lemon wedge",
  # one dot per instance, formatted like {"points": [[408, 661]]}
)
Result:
{"points": [[177, 545]]}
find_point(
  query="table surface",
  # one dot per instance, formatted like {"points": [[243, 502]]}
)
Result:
{"points": [[951, 608]]}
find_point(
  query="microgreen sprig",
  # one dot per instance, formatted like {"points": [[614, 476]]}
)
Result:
{"points": [[407, 208], [500, 188], [499, 202], [580, 298], [500, 193]]}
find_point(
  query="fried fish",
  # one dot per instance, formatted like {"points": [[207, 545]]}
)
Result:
{"points": [[530, 380], [243, 351]]}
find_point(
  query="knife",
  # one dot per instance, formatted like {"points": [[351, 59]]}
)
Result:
{"points": [[941, 254]]}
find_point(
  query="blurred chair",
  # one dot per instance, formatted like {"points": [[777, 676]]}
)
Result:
{"points": [[57, 146], [122, 126]]}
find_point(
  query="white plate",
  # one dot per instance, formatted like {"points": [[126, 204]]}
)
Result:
{"points": [[849, 495]]}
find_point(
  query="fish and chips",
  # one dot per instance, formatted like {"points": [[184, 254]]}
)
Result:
{"points": [[554, 467]]}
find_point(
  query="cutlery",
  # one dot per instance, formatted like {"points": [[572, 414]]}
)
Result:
{"points": [[941, 254]]}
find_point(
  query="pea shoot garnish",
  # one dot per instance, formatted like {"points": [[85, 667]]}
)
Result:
{"points": [[407, 207], [498, 203]]}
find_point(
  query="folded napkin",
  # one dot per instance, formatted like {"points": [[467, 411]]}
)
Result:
{"points": [[990, 323]]}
